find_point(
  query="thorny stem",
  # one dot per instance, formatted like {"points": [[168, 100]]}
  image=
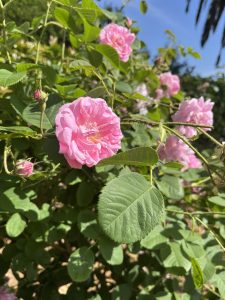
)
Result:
{"points": [[4, 30], [195, 213], [7, 151], [43, 30], [103, 83], [212, 233], [153, 123], [193, 148], [43, 107], [211, 138], [186, 142], [63, 48]]}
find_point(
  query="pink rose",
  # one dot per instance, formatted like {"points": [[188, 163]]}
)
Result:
{"points": [[197, 111], [88, 131], [5, 295], [118, 37], [175, 149], [24, 168], [171, 84]]}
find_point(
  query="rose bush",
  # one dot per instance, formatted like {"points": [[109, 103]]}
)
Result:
{"points": [[106, 188]]}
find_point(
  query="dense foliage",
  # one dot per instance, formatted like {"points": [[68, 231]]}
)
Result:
{"points": [[146, 223]]}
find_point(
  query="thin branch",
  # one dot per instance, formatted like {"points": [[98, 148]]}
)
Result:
{"points": [[211, 138]]}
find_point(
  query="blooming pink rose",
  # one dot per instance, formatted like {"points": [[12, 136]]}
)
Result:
{"points": [[88, 131], [171, 84], [24, 168], [175, 149], [5, 295], [118, 37], [197, 111]]}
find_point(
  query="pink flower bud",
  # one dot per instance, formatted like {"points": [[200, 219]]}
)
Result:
{"points": [[39, 95], [129, 22], [24, 168]]}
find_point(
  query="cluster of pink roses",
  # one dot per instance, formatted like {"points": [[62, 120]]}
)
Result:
{"points": [[88, 130], [169, 86], [175, 149], [197, 112]]}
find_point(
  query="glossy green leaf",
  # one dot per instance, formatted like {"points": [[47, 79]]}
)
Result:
{"points": [[32, 114], [111, 251], [8, 78], [65, 18], [15, 225], [197, 274], [171, 187], [129, 208], [218, 200], [141, 156], [109, 53], [80, 264]]}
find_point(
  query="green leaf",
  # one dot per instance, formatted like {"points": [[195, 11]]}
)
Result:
{"points": [[87, 224], [98, 92], [80, 264], [141, 156], [197, 274], [171, 187], [19, 131], [143, 6], [15, 225], [13, 202], [85, 193], [65, 18], [32, 114], [111, 251], [123, 87], [109, 53], [82, 65], [8, 78], [129, 208], [154, 239], [173, 256], [90, 32], [218, 200]]}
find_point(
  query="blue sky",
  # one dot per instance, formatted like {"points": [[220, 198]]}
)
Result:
{"points": [[170, 14]]}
